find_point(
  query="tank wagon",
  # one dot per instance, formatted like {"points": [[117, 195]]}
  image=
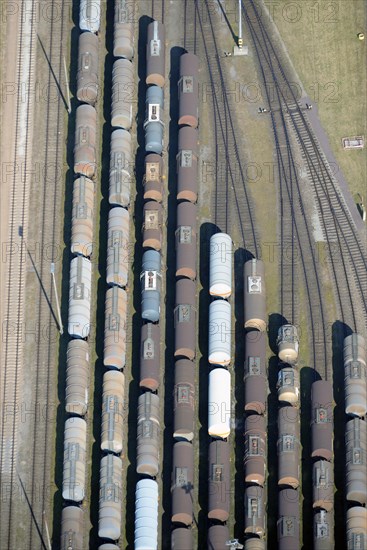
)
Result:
{"points": [[120, 168], [80, 284], [254, 295], [82, 217], [187, 164], [77, 377], [255, 379], [181, 539], [188, 90], [323, 534], [288, 386], [288, 344], [150, 357], [85, 141], [146, 515], [151, 281], [355, 375], [255, 449], [118, 247], [323, 485], [255, 544], [122, 94], [356, 468], [152, 225], [321, 419], [220, 265], [110, 497], [288, 447], [90, 15], [220, 332], [255, 518], [147, 461], [113, 411], [288, 522], [186, 240], [218, 535], [356, 528], [123, 31], [154, 125], [87, 77], [75, 437], [219, 404], [72, 528], [182, 483], [185, 319], [156, 54], [108, 546], [184, 400], [219, 483], [153, 178], [114, 353]]}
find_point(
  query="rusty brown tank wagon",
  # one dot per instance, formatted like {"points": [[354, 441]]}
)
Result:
{"points": [[322, 420], [150, 356], [255, 514], [218, 535], [152, 225], [356, 466], [288, 447], [148, 435], [185, 319], [323, 485], [184, 400], [188, 90], [123, 30], [156, 54], [182, 486], [219, 482], [288, 522], [254, 295], [255, 378], [182, 539], [186, 240], [153, 178], [355, 372], [255, 449], [187, 164], [85, 141]]}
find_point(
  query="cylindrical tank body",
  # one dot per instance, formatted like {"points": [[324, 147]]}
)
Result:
{"points": [[87, 77], [72, 528], [219, 403], [182, 483], [322, 419], [156, 54], [151, 281], [112, 411], [85, 141], [255, 449], [80, 286], [147, 461], [182, 539], [256, 383], [118, 247], [123, 93], [187, 164], [114, 353], [220, 333], [123, 30], [82, 217], [255, 544], [185, 319], [186, 240], [153, 179], [288, 447], [146, 515], [288, 344], [255, 516], [356, 528], [108, 546], [77, 377], [188, 90], [154, 125], [219, 483], [323, 534], [90, 15], [220, 268], [218, 535], [152, 225], [110, 497], [323, 485], [254, 295], [356, 464], [355, 384], [288, 385], [288, 522], [150, 357], [184, 400], [75, 441], [120, 168]]}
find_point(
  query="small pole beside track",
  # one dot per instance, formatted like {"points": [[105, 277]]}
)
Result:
{"points": [[52, 271], [47, 531], [67, 87]]}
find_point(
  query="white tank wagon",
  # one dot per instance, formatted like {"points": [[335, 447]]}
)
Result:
{"points": [[146, 515], [323, 534], [72, 528], [113, 411], [80, 287], [90, 15], [288, 344], [114, 353], [288, 385], [356, 464], [82, 220], [77, 377], [323, 485], [110, 497], [108, 546], [118, 247], [75, 441], [288, 447], [220, 265], [151, 282], [148, 433], [156, 54], [123, 92], [219, 403], [357, 528], [154, 125], [123, 31], [120, 168], [220, 333], [254, 295], [87, 77], [85, 141], [355, 375]]}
